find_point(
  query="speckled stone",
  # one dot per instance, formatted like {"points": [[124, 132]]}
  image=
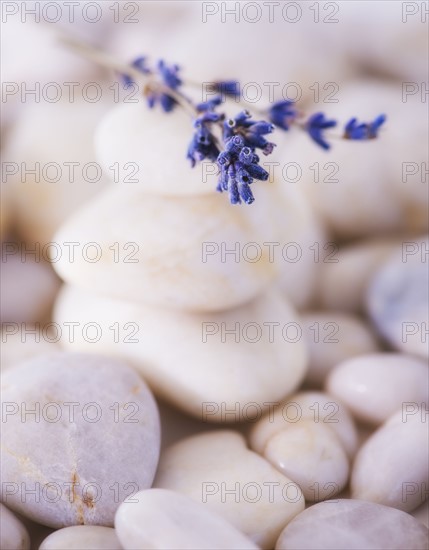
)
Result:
{"points": [[355, 525], [82, 459], [158, 519]]}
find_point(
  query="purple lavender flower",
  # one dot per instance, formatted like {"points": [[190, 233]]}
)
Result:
{"points": [[365, 130], [239, 167], [140, 64], [228, 87], [203, 144], [316, 124], [282, 114], [251, 131]]}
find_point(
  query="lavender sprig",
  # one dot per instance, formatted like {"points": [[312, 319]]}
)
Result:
{"points": [[235, 152]]}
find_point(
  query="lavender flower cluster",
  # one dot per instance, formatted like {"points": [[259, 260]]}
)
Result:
{"points": [[235, 151]]}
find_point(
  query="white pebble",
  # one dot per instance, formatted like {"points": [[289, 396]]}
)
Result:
{"points": [[375, 386], [312, 456], [391, 466], [333, 337], [13, 534], [82, 537], [398, 295], [311, 405], [218, 470], [158, 519], [189, 359], [169, 250], [355, 525], [82, 459]]}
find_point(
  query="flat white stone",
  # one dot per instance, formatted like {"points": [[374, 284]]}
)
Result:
{"points": [[333, 337], [398, 296], [391, 466], [190, 359], [92, 440], [217, 470], [13, 534], [312, 456], [342, 285], [158, 519], [82, 537], [375, 386], [28, 289], [170, 250], [309, 405], [355, 525]]}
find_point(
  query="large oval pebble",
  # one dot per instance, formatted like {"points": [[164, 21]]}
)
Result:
{"points": [[82, 537], [158, 519], [355, 525], [375, 386], [219, 471], [391, 466], [166, 251], [92, 439], [13, 534], [221, 367]]}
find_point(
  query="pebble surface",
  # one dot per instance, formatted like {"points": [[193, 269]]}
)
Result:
{"points": [[355, 525], [82, 537], [100, 431], [158, 519], [13, 534], [391, 466], [375, 386], [219, 471]]}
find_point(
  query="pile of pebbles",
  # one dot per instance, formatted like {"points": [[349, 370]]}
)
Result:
{"points": [[203, 376]]}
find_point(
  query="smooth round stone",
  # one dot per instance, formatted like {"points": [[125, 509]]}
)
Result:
{"points": [[44, 201], [333, 337], [169, 250], [27, 291], [190, 359], [296, 452], [355, 525], [373, 387], [13, 534], [342, 285], [159, 519], [391, 466], [318, 407], [82, 537], [100, 431], [133, 133], [217, 470], [397, 298], [347, 186]]}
